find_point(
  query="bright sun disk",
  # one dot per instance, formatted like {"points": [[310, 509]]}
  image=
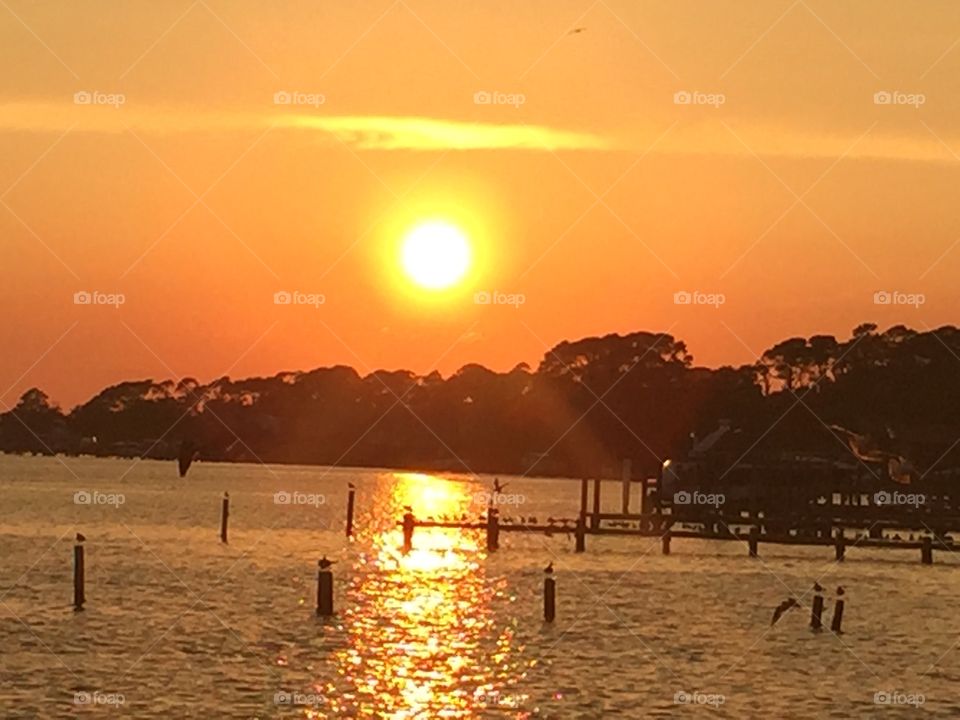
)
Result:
{"points": [[435, 255]]}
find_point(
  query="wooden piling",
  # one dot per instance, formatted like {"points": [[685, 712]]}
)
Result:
{"points": [[840, 546], [816, 612], [409, 522], [926, 551], [351, 496], [595, 518], [224, 516], [583, 496], [493, 530], [754, 541], [324, 592], [549, 598], [581, 533], [626, 474], [665, 542], [79, 597], [837, 616]]}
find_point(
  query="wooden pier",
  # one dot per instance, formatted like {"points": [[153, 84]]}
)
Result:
{"points": [[842, 525]]}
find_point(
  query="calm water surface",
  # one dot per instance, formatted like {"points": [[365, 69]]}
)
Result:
{"points": [[178, 625]]}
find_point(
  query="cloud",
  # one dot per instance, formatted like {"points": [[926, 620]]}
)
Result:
{"points": [[358, 131]]}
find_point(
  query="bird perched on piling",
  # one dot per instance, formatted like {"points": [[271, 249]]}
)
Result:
{"points": [[81, 537], [817, 587], [782, 608], [840, 591], [324, 563], [549, 568]]}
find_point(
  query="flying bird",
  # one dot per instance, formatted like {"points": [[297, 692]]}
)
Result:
{"points": [[498, 487], [782, 608], [576, 30]]}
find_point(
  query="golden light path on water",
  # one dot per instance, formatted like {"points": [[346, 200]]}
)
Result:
{"points": [[422, 640]]}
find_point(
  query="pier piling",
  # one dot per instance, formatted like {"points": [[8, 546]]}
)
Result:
{"points": [[626, 475], [839, 546], [837, 613], [665, 543], [816, 612], [754, 541], [581, 533], [79, 597], [224, 516], [351, 496], [409, 522], [926, 551], [549, 596], [595, 518], [493, 530], [324, 591]]}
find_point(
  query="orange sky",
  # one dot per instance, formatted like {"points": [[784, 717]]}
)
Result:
{"points": [[784, 185]]}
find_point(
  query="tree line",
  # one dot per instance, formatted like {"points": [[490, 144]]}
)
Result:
{"points": [[588, 404]]}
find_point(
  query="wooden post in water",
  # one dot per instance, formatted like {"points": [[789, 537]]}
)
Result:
{"points": [[926, 551], [350, 501], [595, 518], [79, 597], [581, 533], [493, 530], [224, 516], [754, 540], [626, 473], [840, 546], [408, 524], [324, 589], [837, 612], [665, 542], [816, 612], [549, 595]]}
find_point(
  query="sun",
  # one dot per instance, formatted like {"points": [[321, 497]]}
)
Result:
{"points": [[435, 255]]}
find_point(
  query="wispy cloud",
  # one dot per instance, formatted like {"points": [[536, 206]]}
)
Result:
{"points": [[360, 131]]}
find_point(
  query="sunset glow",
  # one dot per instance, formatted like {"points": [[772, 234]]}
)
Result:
{"points": [[435, 255]]}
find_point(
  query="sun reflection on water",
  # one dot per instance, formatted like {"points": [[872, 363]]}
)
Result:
{"points": [[422, 640]]}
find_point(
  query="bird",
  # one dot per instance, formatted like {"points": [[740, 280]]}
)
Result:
{"points": [[351, 486], [817, 587], [840, 591], [408, 508], [782, 608], [549, 568], [324, 563], [498, 487], [576, 30], [81, 537]]}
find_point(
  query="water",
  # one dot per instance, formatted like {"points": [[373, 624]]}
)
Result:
{"points": [[178, 625]]}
